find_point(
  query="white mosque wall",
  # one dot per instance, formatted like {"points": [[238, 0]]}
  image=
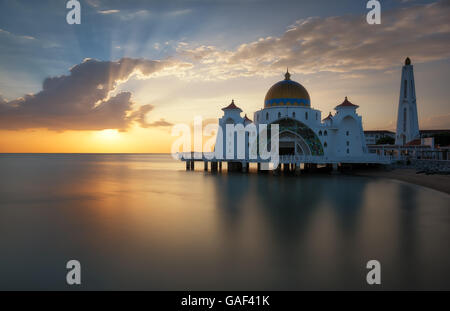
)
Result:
{"points": [[306, 115], [348, 137], [341, 137]]}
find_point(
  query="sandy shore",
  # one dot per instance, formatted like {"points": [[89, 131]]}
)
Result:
{"points": [[436, 182]]}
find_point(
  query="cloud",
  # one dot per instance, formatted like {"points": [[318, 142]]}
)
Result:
{"points": [[106, 12], [93, 3], [132, 15], [83, 99], [335, 44], [160, 123], [140, 114], [11, 35], [177, 13]]}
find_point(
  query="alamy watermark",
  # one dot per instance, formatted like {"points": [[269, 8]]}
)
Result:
{"points": [[234, 142], [74, 15], [374, 15], [374, 275], [73, 277]]}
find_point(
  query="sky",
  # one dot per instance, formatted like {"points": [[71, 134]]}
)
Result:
{"points": [[132, 69]]}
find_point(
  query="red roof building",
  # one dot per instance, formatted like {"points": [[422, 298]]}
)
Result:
{"points": [[232, 106], [346, 103], [330, 117], [415, 142]]}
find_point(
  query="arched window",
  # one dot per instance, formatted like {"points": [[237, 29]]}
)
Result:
{"points": [[279, 115], [267, 116], [325, 144], [348, 151], [229, 121], [325, 133], [306, 115], [348, 143], [347, 133], [320, 133], [293, 114]]}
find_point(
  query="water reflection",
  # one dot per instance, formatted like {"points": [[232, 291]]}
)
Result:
{"points": [[301, 220], [142, 222]]}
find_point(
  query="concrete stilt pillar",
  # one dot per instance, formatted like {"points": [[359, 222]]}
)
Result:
{"points": [[213, 166], [297, 169], [259, 167], [335, 168], [277, 170], [234, 166], [192, 165], [244, 167], [206, 166], [188, 166], [220, 165]]}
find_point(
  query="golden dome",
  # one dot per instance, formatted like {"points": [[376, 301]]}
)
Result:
{"points": [[287, 92]]}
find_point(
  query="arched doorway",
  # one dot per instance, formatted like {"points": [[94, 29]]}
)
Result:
{"points": [[292, 144], [296, 138]]}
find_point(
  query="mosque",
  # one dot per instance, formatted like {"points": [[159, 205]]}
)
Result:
{"points": [[304, 137]]}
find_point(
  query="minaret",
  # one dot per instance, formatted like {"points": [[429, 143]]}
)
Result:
{"points": [[407, 121]]}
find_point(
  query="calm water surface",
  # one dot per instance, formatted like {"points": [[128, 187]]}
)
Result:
{"points": [[143, 222]]}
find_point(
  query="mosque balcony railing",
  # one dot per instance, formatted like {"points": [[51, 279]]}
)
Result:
{"points": [[366, 158], [284, 159]]}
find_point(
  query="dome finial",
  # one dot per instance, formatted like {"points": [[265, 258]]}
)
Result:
{"points": [[287, 75], [407, 61]]}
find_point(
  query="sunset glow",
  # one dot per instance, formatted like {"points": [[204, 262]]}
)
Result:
{"points": [[123, 93]]}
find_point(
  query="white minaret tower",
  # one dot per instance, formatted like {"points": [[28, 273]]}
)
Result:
{"points": [[407, 121]]}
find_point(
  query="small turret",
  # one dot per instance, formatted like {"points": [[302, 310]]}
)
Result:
{"points": [[346, 104]]}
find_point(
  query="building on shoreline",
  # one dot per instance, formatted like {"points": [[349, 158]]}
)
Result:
{"points": [[373, 136], [305, 138]]}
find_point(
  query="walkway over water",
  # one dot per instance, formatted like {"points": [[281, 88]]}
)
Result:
{"points": [[290, 159]]}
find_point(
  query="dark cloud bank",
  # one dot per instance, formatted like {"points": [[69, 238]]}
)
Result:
{"points": [[80, 101]]}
